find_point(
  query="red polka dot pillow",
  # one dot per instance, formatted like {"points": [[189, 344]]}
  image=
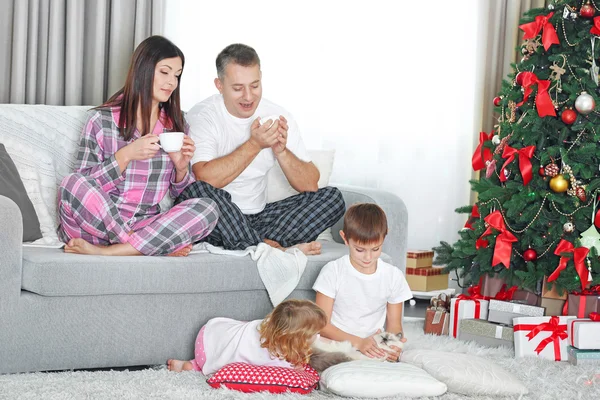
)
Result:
{"points": [[253, 378]]}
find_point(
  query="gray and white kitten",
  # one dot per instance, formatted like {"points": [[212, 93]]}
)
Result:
{"points": [[327, 353]]}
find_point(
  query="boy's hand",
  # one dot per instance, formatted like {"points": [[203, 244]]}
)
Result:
{"points": [[395, 355], [369, 347]]}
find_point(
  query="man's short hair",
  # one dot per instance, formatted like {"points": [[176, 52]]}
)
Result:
{"points": [[365, 223], [238, 53]]}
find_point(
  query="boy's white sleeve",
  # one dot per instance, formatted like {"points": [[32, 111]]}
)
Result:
{"points": [[400, 290], [326, 282]]}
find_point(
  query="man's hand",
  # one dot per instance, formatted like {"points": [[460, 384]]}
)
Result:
{"points": [[279, 147], [395, 355], [142, 148], [182, 158], [369, 347], [264, 137]]}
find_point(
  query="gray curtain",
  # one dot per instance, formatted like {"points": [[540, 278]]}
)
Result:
{"points": [[70, 52]]}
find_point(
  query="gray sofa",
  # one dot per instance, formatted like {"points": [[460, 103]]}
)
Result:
{"points": [[63, 311]]}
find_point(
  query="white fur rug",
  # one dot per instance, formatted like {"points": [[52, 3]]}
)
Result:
{"points": [[545, 379]]}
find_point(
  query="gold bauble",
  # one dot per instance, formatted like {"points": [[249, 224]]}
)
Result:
{"points": [[559, 184]]}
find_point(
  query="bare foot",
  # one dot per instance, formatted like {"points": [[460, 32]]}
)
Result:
{"points": [[80, 246], [184, 252], [273, 243], [178, 365], [310, 249]]}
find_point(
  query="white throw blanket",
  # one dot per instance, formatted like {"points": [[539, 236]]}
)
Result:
{"points": [[279, 270]]}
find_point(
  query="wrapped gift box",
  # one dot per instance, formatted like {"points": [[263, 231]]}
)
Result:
{"points": [[465, 309], [437, 321], [503, 312], [583, 357], [426, 279], [419, 258], [553, 293], [491, 285], [544, 337], [486, 333], [552, 306], [526, 297], [584, 334], [582, 305]]}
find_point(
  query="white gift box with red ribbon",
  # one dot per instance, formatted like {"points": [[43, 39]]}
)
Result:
{"points": [[584, 333], [463, 308], [544, 337]]}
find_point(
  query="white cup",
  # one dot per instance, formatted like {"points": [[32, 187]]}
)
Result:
{"points": [[273, 118], [171, 142]]}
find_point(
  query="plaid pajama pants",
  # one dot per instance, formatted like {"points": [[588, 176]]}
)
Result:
{"points": [[87, 212], [297, 219]]}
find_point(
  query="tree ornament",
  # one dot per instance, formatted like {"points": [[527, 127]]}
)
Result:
{"points": [[519, 78], [585, 103], [496, 140], [551, 169], [550, 6], [506, 172], [590, 238], [541, 171], [568, 227], [568, 116], [580, 193], [497, 100], [587, 11], [559, 184], [530, 255]]}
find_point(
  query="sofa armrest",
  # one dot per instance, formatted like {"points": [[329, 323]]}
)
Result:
{"points": [[397, 216], [11, 253]]}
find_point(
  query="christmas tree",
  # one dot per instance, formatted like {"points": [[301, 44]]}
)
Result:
{"points": [[536, 213]]}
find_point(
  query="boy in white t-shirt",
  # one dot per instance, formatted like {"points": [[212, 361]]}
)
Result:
{"points": [[359, 292]]}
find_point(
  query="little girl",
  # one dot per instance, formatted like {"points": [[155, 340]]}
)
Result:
{"points": [[282, 339]]}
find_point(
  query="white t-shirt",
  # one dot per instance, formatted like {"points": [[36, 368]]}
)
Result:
{"points": [[360, 300], [217, 133]]}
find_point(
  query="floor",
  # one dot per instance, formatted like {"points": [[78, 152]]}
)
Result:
{"points": [[417, 310]]}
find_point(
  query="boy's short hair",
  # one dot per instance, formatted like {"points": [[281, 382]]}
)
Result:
{"points": [[365, 223]]}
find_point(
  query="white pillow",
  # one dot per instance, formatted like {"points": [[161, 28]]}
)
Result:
{"points": [[466, 374], [278, 187], [364, 378]]}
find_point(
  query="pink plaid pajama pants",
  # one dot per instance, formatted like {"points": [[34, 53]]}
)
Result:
{"points": [[87, 212]]}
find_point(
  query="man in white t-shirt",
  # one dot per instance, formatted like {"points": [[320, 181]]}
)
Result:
{"points": [[239, 137], [359, 292]]}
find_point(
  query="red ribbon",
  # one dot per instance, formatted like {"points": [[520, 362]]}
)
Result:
{"points": [[596, 28], [594, 316], [474, 215], [525, 155], [504, 241], [579, 255], [474, 295], [532, 29], [543, 102], [559, 332], [478, 161], [506, 295]]}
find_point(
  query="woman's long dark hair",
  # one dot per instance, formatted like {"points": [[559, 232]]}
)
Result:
{"points": [[140, 84]]}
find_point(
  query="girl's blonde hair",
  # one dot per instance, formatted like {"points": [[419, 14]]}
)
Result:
{"points": [[288, 330]]}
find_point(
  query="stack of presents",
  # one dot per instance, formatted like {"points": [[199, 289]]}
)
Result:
{"points": [[560, 327], [421, 275]]}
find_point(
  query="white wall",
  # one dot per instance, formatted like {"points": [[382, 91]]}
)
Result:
{"points": [[390, 87]]}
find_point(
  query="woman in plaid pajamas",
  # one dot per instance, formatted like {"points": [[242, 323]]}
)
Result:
{"points": [[110, 205]]}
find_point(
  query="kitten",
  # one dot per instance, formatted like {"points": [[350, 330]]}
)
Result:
{"points": [[327, 353]]}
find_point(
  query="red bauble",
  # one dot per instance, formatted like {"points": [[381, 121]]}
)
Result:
{"points": [[530, 255], [580, 193], [497, 100], [587, 11], [568, 116], [541, 171], [519, 78]]}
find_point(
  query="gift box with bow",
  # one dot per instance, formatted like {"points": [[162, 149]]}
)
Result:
{"points": [[467, 306], [585, 333], [544, 337], [437, 316]]}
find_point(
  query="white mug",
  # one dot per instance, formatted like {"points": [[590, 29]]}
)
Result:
{"points": [[171, 142]]}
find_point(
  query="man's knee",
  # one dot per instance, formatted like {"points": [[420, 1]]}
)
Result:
{"points": [[198, 189]]}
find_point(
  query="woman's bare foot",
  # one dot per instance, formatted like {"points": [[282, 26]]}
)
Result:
{"points": [[184, 252], [178, 365], [310, 249], [81, 246]]}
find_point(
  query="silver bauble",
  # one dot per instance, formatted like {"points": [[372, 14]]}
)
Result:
{"points": [[496, 140], [585, 103], [568, 227]]}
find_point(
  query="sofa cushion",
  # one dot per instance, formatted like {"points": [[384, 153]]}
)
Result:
{"points": [[51, 272]]}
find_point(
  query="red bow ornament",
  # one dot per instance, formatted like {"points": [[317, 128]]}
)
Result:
{"points": [[473, 217], [525, 155], [504, 241], [506, 295], [543, 102], [532, 29], [478, 161], [579, 255], [596, 28]]}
